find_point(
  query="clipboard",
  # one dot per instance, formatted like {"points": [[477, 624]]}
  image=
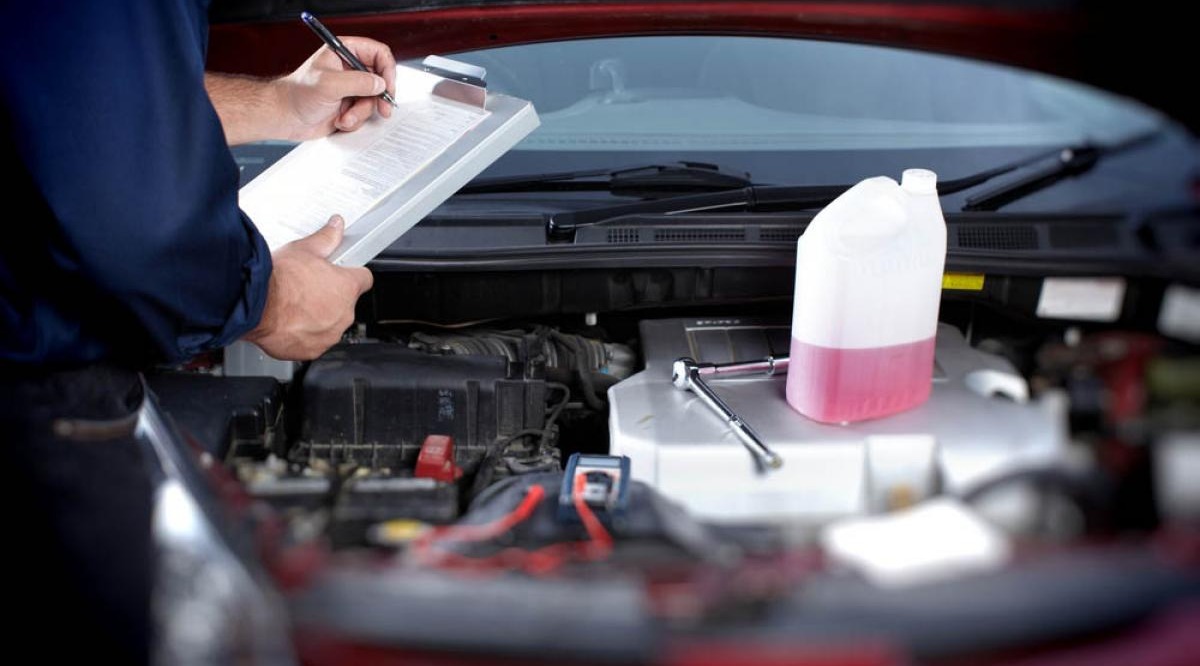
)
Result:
{"points": [[284, 189]]}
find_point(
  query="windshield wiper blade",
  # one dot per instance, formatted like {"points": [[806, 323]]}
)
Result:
{"points": [[794, 197], [559, 225], [677, 178]]}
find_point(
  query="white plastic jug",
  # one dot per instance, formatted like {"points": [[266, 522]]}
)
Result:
{"points": [[868, 285]]}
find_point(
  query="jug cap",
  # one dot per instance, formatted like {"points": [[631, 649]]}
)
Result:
{"points": [[919, 181]]}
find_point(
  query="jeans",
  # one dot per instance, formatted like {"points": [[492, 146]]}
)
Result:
{"points": [[78, 501]]}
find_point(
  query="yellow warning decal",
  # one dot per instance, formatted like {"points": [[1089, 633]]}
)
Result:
{"points": [[963, 281]]}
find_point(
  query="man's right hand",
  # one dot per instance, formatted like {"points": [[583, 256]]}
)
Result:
{"points": [[310, 302]]}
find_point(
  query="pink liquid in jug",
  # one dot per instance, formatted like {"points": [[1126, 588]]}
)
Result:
{"points": [[837, 385]]}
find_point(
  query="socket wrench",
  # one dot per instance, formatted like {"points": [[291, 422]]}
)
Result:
{"points": [[688, 375]]}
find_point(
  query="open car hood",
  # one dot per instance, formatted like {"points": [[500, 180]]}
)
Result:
{"points": [[1101, 45]]}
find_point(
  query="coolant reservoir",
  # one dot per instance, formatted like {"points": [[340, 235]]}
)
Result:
{"points": [[868, 284]]}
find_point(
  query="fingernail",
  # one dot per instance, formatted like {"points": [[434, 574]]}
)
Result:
{"points": [[379, 85], [336, 221], [349, 120]]}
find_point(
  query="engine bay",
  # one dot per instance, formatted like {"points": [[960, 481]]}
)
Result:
{"points": [[416, 472]]}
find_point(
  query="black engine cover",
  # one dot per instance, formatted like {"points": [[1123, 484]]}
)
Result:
{"points": [[374, 404]]}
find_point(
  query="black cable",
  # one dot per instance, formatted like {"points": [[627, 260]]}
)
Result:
{"points": [[1079, 486], [502, 444], [490, 492], [555, 411], [486, 469], [583, 371], [1090, 492]]}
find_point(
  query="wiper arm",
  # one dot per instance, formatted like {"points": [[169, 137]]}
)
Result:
{"points": [[1070, 162], [677, 178], [559, 225], [562, 225]]}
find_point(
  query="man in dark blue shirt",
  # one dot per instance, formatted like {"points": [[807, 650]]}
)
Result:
{"points": [[129, 248]]}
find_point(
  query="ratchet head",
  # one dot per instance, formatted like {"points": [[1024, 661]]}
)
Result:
{"points": [[681, 373]]}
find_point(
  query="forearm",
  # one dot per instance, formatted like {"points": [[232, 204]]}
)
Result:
{"points": [[249, 108]]}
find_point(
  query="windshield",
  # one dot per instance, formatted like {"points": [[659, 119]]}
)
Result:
{"points": [[781, 111], [800, 112], [709, 93]]}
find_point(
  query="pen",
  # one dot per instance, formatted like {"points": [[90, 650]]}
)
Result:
{"points": [[339, 48]]}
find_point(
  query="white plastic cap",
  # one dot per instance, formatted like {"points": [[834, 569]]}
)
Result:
{"points": [[919, 181]]}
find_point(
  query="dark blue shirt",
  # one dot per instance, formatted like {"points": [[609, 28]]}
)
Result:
{"points": [[121, 238]]}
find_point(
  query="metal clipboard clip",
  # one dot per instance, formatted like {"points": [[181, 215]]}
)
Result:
{"points": [[460, 82]]}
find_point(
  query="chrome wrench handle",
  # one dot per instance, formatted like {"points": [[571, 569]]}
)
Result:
{"points": [[688, 375]]}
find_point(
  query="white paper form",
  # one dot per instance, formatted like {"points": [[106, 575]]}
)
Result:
{"points": [[350, 173]]}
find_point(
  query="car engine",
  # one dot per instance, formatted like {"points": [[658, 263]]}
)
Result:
{"points": [[558, 459], [417, 424]]}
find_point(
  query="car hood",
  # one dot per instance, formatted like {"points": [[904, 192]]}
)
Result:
{"points": [[1098, 44]]}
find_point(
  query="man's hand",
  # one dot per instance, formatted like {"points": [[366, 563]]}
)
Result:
{"points": [[310, 302], [325, 94], [321, 96]]}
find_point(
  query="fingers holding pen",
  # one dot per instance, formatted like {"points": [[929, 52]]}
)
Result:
{"points": [[379, 59], [358, 92], [359, 54]]}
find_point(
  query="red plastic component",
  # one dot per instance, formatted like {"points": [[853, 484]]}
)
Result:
{"points": [[436, 460]]}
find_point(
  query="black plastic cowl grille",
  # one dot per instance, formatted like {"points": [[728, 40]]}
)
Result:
{"points": [[997, 237]]}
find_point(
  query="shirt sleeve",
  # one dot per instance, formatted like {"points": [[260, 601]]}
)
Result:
{"points": [[111, 119]]}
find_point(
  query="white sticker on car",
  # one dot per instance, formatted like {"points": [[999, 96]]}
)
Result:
{"points": [[1179, 316], [1088, 299]]}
